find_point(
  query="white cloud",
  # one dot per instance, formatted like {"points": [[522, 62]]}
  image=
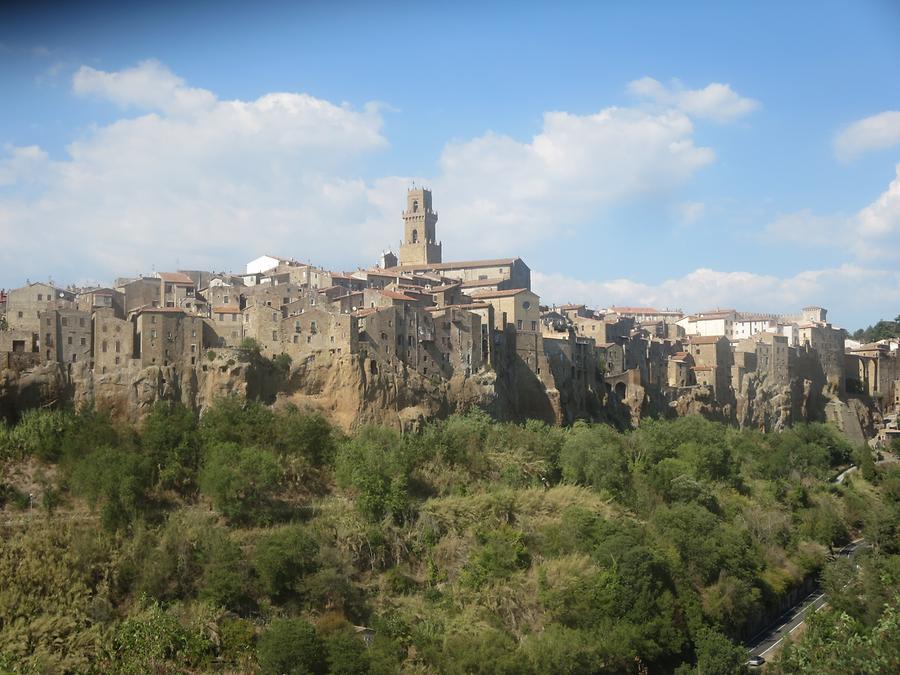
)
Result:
{"points": [[147, 86], [878, 225], [851, 292], [870, 234], [494, 189], [717, 102], [192, 178], [877, 132], [689, 212], [197, 180]]}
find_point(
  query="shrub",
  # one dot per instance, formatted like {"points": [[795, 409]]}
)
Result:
{"points": [[283, 558], [376, 466], [289, 647], [169, 438], [117, 481], [240, 481]]}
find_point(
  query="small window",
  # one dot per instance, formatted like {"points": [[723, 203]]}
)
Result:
{"points": [[69, 340], [274, 335], [118, 360], [83, 342], [20, 315], [40, 297], [519, 324], [118, 347], [65, 321], [81, 323], [534, 325]]}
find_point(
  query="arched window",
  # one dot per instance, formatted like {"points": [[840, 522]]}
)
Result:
{"points": [[415, 236], [415, 205]]}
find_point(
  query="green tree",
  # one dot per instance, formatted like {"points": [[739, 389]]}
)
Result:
{"points": [[283, 558], [291, 647], [115, 480], [376, 466], [169, 437], [240, 481]]}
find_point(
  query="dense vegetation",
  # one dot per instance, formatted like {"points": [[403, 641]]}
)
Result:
{"points": [[255, 540], [880, 331]]}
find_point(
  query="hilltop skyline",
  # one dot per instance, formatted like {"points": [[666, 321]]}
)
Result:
{"points": [[683, 159]]}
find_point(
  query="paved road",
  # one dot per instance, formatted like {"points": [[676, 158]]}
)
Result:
{"points": [[764, 642]]}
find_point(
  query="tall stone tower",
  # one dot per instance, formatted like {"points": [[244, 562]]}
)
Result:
{"points": [[419, 246]]}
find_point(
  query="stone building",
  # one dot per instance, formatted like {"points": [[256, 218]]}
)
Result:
{"points": [[420, 245], [66, 335], [138, 293], [263, 324], [24, 305], [167, 336], [713, 359], [319, 330], [517, 309], [228, 323], [94, 299], [113, 340]]}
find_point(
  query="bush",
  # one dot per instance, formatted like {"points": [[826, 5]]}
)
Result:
{"points": [[291, 647], [117, 481], [240, 481], [594, 455], [169, 438], [376, 466], [282, 559], [307, 435], [38, 434]]}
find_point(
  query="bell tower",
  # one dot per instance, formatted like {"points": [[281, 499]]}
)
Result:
{"points": [[419, 246]]}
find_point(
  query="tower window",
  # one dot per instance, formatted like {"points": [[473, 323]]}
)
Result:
{"points": [[415, 205], [415, 236]]}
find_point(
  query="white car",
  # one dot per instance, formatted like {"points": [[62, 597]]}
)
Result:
{"points": [[755, 661]]}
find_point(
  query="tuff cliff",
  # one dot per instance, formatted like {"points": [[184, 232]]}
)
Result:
{"points": [[352, 391]]}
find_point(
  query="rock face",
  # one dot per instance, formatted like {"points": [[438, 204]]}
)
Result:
{"points": [[353, 391]]}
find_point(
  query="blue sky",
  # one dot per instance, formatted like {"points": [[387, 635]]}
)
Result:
{"points": [[672, 154]]}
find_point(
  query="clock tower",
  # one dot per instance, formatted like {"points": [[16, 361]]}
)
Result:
{"points": [[419, 246]]}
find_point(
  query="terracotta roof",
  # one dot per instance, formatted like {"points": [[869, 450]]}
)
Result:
{"points": [[444, 288], [704, 339], [397, 296], [226, 310], [463, 263], [364, 312], [499, 294], [176, 278], [680, 355]]}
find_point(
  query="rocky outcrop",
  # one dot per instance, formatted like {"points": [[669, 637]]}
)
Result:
{"points": [[353, 390]]}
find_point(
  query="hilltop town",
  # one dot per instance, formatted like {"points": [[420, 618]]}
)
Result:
{"points": [[415, 337]]}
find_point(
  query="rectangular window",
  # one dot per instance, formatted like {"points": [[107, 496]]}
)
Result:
{"points": [[534, 325], [69, 340], [65, 321], [153, 334], [20, 315], [118, 360], [81, 322], [519, 324], [83, 342], [118, 346], [274, 335], [40, 297], [193, 349]]}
